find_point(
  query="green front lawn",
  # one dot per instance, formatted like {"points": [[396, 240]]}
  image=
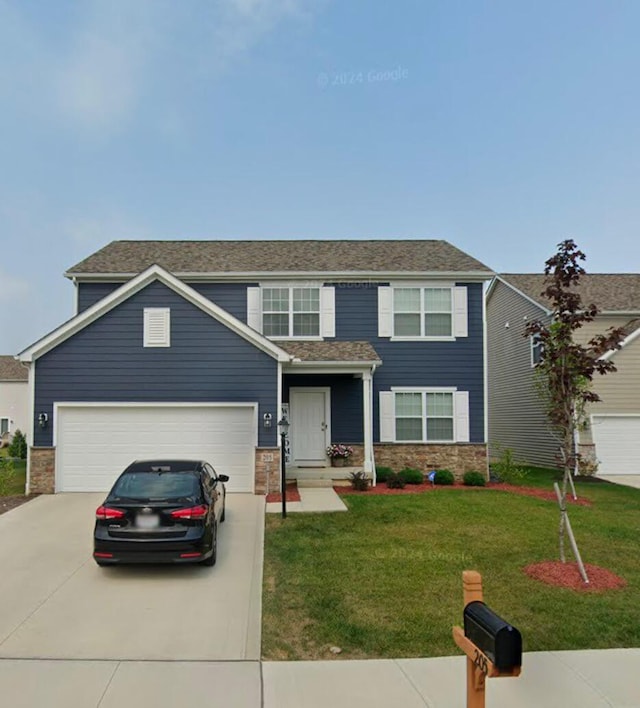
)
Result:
{"points": [[384, 579]]}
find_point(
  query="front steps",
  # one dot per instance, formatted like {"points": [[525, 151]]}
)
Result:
{"points": [[321, 476]]}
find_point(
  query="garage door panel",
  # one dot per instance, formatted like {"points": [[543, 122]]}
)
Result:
{"points": [[95, 443], [617, 441]]}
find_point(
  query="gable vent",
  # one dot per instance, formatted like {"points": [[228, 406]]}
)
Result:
{"points": [[157, 327]]}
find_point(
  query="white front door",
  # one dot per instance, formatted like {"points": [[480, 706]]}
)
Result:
{"points": [[309, 432]]}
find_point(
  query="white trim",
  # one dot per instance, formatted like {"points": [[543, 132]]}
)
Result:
{"points": [[295, 276], [422, 339], [291, 313], [424, 390], [146, 404], [124, 292], [327, 411], [274, 423], [627, 340], [31, 428], [485, 371], [329, 367], [367, 408], [532, 348], [422, 286], [422, 283], [9, 421]]}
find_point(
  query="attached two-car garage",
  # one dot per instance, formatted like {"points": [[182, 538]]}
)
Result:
{"points": [[95, 442]]}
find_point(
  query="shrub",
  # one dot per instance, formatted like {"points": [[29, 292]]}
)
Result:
{"points": [[395, 481], [411, 476], [506, 469], [7, 473], [382, 473], [359, 481], [444, 477], [474, 479], [18, 446]]}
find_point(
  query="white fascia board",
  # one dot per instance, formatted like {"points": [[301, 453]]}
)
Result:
{"points": [[322, 276], [153, 273], [627, 340], [330, 367], [515, 290]]}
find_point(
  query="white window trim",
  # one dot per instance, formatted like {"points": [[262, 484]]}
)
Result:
{"points": [[157, 312], [533, 344], [386, 311], [424, 390], [8, 423], [290, 286]]}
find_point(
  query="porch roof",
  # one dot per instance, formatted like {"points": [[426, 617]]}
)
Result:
{"points": [[331, 351]]}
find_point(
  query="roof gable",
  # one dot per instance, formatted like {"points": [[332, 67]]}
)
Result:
{"points": [[183, 258], [124, 292]]}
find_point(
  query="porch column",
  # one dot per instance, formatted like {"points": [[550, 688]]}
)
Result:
{"points": [[368, 421]]}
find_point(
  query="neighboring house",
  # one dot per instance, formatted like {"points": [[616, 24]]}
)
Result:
{"points": [[516, 416], [14, 398], [197, 348]]}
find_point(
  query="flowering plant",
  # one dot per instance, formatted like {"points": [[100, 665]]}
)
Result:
{"points": [[336, 450]]}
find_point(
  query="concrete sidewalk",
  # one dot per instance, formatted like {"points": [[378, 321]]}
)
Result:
{"points": [[312, 499], [569, 679]]}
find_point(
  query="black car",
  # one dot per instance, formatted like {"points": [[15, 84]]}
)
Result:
{"points": [[161, 511]]}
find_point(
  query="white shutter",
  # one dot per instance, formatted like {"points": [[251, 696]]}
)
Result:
{"points": [[157, 327], [254, 309], [462, 415], [387, 416], [385, 311], [460, 315], [328, 311]]}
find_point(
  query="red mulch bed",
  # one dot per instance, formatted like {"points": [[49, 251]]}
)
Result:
{"points": [[292, 494], [499, 486], [567, 575], [8, 503]]}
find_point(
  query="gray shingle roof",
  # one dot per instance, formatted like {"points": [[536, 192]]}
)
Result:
{"points": [[12, 370], [611, 292], [181, 257], [330, 351]]}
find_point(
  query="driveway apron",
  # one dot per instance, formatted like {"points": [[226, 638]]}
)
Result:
{"points": [[56, 603]]}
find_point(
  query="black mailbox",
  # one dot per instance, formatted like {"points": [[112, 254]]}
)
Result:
{"points": [[496, 638]]}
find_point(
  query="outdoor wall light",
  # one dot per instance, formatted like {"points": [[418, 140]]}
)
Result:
{"points": [[266, 418], [43, 419]]}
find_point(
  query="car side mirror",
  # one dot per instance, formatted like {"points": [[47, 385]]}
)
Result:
{"points": [[223, 477]]}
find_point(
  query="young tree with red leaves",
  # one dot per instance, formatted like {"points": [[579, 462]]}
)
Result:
{"points": [[566, 368]]}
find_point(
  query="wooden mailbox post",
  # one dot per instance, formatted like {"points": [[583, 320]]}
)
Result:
{"points": [[493, 647]]}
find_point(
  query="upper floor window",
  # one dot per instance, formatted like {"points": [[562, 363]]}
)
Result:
{"points": [[288, 311], [413, 311], [291, 312], [422, 312], [536, 349]]}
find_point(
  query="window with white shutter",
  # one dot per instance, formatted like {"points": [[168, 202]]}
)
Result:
{"points": [[157, 327]]}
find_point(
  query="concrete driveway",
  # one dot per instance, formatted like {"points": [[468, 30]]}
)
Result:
{"points": [[56, 603]]}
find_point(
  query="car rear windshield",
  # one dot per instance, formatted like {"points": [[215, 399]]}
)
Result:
{"points": [[156, 485]]}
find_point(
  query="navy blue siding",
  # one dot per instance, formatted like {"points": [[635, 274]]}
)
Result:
{"points": [[346, 402], [206, 362], [458, 363], [90, 293], [232, 297]]}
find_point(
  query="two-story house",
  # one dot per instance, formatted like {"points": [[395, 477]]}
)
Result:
{"points": [[610, 436], [197, 348]]}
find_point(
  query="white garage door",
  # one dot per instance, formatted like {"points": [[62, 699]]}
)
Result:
{"points": [[95, 443], [617, 440]]}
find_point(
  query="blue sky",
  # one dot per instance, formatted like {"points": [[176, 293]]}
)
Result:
{"points": [[503, 127]]}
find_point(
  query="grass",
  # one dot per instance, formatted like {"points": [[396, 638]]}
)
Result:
{"points": [[384, 579]]}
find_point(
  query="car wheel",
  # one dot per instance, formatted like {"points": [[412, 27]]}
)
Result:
{"points": [[211, 560]]}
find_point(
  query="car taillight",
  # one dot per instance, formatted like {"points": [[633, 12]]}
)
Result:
{"points": [[104, 512], [193, 512]]}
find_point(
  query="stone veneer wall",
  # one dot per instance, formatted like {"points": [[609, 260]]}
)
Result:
{"points": [[42, 476], [267, 470], [459, 458]]}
